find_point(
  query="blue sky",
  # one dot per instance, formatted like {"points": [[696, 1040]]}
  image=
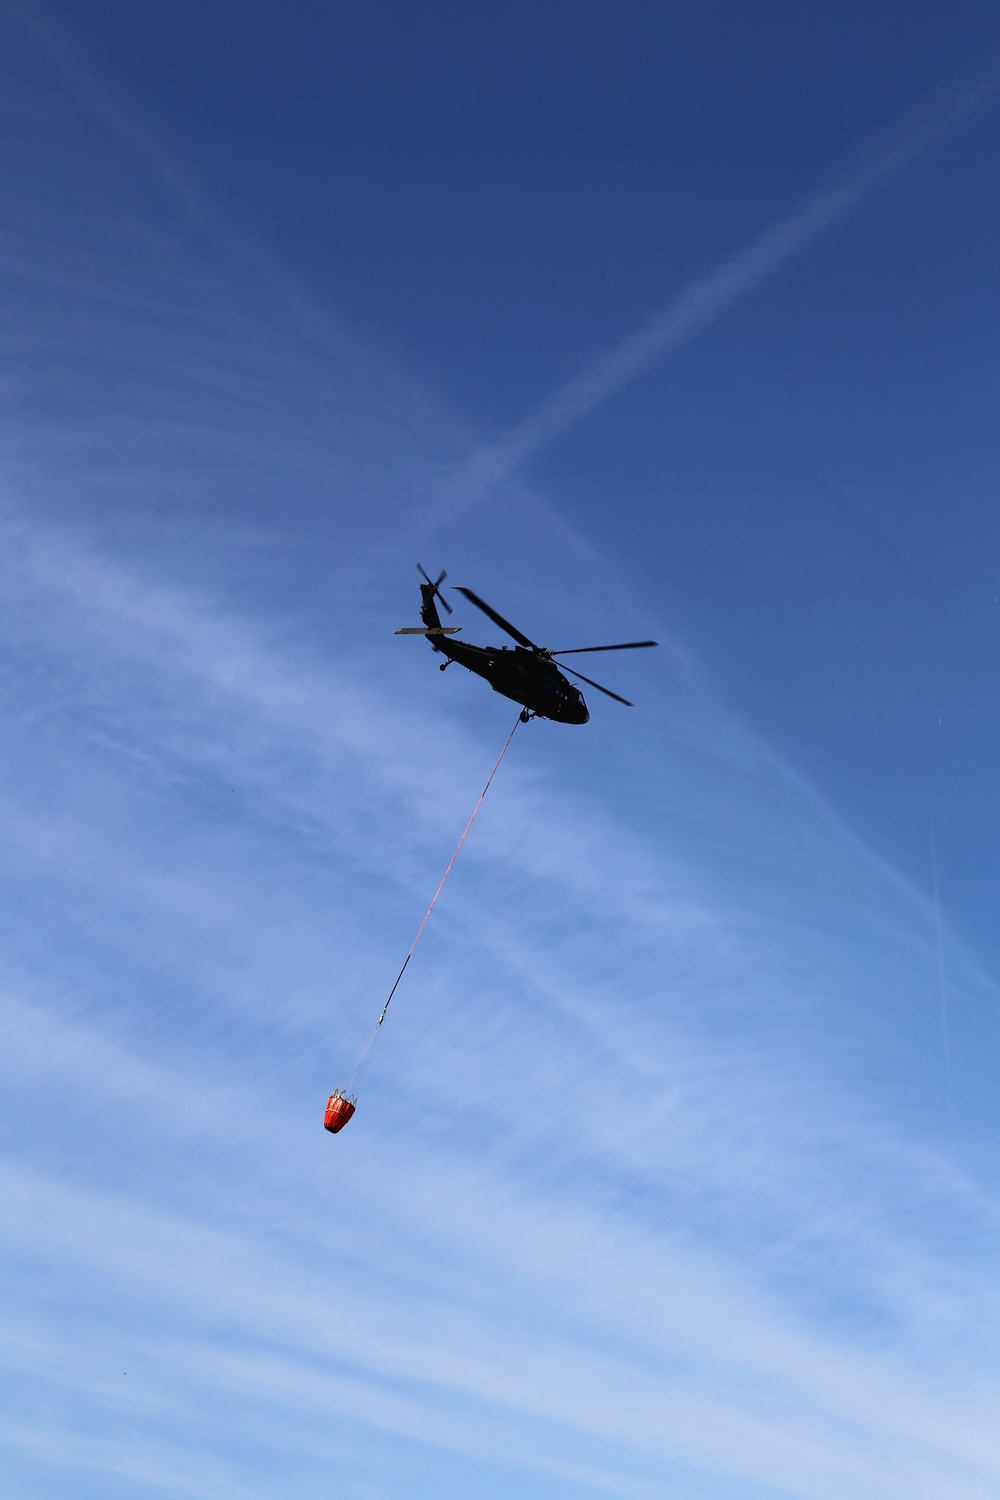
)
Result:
{"points": [[674, 1172]]}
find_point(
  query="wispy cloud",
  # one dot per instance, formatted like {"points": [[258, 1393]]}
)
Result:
{"points": [[614, 1294]]}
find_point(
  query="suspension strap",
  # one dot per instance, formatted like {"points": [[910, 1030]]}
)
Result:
{"points": [[444, 877]]}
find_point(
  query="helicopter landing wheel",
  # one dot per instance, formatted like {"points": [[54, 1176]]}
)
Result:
{"points": [[526, 716], [444, 666]]}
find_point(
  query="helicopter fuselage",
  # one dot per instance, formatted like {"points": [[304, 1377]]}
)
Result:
{"points": [[528, 679]]}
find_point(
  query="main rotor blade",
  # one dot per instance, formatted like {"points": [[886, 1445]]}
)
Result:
{"points": [[436, 586], [623, 646], [522, 640], [597, 685]]}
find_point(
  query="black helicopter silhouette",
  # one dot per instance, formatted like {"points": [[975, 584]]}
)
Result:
{"points": [[526, 673]]}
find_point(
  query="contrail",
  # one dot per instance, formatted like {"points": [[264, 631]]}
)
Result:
{"points": [[936, 116]]}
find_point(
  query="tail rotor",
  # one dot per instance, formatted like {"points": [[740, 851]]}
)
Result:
{"points": [[435, 585]]}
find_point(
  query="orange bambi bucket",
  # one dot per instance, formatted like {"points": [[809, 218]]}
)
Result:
{"points": [[339, 1110]]}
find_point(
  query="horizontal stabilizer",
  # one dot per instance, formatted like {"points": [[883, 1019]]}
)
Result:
{"points": [[432, 630]]}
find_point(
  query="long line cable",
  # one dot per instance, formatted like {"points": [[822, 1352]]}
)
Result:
{"points": [[458, 849]]}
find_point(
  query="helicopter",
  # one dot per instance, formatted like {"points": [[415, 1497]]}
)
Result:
{"points": [[526, 673]]}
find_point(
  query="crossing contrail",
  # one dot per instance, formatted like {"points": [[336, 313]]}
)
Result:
{"points": [[936, 116]]}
